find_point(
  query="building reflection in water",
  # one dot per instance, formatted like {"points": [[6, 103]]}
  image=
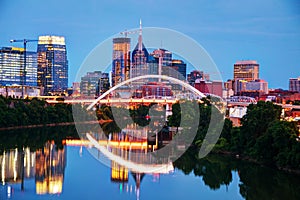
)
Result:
{"points": [[46, 165], [12, 165], [137, 139], [49, 169]]}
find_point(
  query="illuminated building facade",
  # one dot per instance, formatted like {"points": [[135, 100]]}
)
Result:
{"points": [[12, 66], [52, 71], [247, 70], [121, 60], [94, 83]]}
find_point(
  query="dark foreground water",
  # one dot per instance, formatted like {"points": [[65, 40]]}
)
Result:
{"points": [[63, 170]]}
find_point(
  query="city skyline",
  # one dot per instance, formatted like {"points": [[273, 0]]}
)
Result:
{"points": [[228, 30]]}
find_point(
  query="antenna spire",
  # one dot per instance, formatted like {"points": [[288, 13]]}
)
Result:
{"points": [[140, 37]]}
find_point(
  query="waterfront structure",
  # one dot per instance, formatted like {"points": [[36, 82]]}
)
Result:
{"points": [[12, 67], [93, 80], [247, 70], [121, 60], [52, 71], [294, 84]]}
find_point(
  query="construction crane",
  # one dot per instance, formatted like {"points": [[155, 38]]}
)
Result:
{"points": [[125, 33], [23, 74]]}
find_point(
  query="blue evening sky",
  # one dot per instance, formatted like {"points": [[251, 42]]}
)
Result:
{"points": [[267, 31]]}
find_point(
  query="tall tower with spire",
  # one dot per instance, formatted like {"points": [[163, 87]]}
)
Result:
{"points": [[140, 57]]}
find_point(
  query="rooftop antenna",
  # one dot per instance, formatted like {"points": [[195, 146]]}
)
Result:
{"points": [[140, 37]]}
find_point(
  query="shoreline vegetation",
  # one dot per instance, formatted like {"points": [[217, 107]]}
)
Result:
{"points": [[263, 138], [25, 113]]}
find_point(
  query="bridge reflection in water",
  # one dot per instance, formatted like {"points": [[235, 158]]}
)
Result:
{"points": [[128, 151]]}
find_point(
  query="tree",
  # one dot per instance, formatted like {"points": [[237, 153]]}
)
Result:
{"points": [[256, 122]]}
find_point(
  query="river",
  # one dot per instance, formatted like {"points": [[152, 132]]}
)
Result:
{"points": [[56, 168]]}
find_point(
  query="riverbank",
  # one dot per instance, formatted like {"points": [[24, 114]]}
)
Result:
{"points": [[252, 160], [54, 124]]}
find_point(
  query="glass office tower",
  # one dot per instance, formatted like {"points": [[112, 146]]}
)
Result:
{"points": [[52, 64], [121, 60], [12, 67]]}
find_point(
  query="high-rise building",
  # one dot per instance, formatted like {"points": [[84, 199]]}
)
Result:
{"points": [[294, 84], [140, 58], [180, 67], [121, 60], [164, 60], [52, 64], [12, 67], [247, 70], [103, 84], [91, 81]]}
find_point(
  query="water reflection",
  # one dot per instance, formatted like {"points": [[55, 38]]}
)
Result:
{"points": [[45, 165], [256, 182], [50, 169], [37, 154], [44, 162]]}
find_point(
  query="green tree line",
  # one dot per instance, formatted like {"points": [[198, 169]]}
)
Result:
{"points": [[17, 112], [263, 137]]}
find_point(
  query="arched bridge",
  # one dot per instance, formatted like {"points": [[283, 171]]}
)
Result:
{"points": [[175, 80]]}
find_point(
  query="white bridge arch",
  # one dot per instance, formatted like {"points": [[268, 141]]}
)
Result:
{"points": [[175, 80]]}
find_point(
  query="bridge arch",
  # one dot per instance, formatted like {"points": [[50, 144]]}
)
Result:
{"points": [[144, 77]]}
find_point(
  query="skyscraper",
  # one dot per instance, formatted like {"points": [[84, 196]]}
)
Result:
{"points": [[12, 66], [140, 58], [52, 64], [294, 84], [247, 70], [121, 60], [244, 71]]}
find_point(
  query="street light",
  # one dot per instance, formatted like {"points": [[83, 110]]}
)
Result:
{"points": [[23, 75]]}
